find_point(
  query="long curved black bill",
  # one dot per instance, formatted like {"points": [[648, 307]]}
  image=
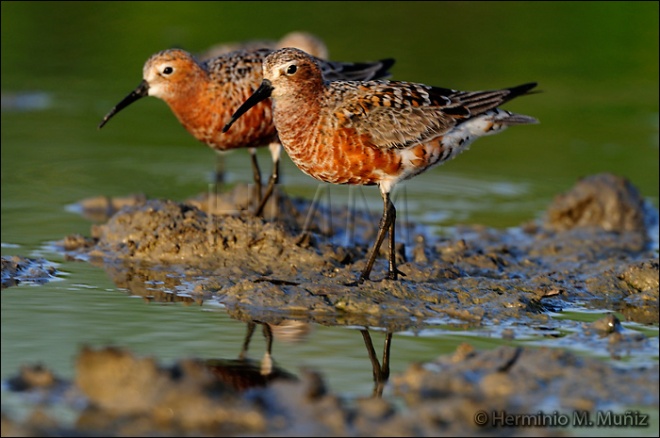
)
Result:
{"points": [[262, 93], [141, 91]]}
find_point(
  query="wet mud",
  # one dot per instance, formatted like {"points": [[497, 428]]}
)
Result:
{"points": [[16, 270], [592, 249], [116, 393]]}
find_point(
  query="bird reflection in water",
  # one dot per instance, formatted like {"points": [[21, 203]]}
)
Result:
{"points": [[244, 373]]}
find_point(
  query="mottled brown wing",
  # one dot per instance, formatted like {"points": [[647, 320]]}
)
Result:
{"points": [[237, 66], [241, 63], [401, 114], [395, 114]]}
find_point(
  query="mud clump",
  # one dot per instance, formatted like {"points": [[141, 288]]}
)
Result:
{"points": [[603, 201], [592, 247], [170, 232]]}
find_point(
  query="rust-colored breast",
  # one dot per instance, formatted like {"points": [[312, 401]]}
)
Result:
{"points": [[342, 156], [203, 114]]}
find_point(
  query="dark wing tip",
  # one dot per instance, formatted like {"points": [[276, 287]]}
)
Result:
{"points": [[384, 70], [522, 89], [357, 71], [387, 63]]}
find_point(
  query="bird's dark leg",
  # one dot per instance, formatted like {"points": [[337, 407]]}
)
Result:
{"points": [[392, 272], [256, 173], [387, 221], [274, 178]]}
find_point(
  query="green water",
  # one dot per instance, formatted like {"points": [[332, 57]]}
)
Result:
{"points": [[64, 65]]}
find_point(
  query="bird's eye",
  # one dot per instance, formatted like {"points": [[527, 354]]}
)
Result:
{"points": [[168, 70], [291, 69]]}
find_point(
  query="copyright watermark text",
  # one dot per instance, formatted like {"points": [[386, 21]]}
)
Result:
{"points": [[605, 419]]}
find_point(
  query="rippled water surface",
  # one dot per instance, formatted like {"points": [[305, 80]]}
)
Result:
{"points": [[64, 65]]}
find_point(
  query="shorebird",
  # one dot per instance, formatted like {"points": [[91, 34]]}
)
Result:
{"points": [[302, 40], [203, 95], [373, 132]]}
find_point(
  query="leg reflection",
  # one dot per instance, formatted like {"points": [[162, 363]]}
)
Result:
{"points": [[244, 373], [246, 342], [381, 373], [267, 361]]}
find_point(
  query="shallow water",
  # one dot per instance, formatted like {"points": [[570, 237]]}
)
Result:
{"points": [[596, 65]]}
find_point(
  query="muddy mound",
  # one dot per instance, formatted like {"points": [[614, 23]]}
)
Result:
{"points": [[603, 201], [479, 275]]}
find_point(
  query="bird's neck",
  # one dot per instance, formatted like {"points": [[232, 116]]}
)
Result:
{"points": [[296, 117]]}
